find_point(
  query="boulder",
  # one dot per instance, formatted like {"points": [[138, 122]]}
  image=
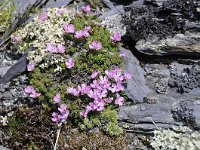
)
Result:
{"points": [[136, 89], [166, 27]]}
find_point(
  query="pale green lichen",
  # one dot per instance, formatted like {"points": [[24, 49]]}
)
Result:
{"points": [[181, 138], [39, 34]]}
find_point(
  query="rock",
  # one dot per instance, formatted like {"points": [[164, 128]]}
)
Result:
{"points": [[3, 71], [114, 24], [164, 106], [15, 70], [57, 3], [136, 89], [4, 148], [166, 27], [117, 10], [188, 112]]}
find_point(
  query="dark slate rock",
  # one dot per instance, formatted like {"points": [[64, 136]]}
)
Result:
{"points": [[109, 4], [164, 106], [117, 10], [136, 89], [4, 148], [57, 3], [15, 70], [187, 80], [169, 27], [188, 112]]}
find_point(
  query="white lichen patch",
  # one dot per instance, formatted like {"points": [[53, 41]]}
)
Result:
{"points": [[39, 33], [181, 138]]}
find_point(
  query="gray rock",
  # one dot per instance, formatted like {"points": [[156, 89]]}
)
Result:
{"points": [[15, 70], [114, 24], [136, 89], [3, 70], [57, 3], [163, 106], [4, 148], [165, 27], [117, 10], [181, 44]]}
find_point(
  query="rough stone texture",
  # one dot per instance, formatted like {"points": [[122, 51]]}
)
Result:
{"points": [[114, 24], [164, 106], [136, 89], [166, 27]]}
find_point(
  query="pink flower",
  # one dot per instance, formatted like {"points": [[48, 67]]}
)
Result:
{"points": [[30, 67], [56, 98], [34, 94], [109, 73], [55, 117], [127, 76], [79, 34], [86, 9], [119, 100], [90, 107], [86, 33], [43, 16], [73, 91], [69, 28], [116, 37], [84, 89], [63, 108], [70, 63], [63, 117], [99, 105], [52, 48], [16, 38], [87, 28], [102, 93], [95, 74], [60, 48], [29, 89], [95, 45], [60, 12], [84, 114], [109, 100]]}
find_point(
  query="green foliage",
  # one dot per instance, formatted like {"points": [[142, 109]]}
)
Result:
{"points": [[49, 83], [96, 3], [6, 9], [113, 129], [14, 127]]}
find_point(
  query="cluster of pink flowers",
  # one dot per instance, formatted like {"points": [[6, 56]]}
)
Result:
{"points": [[30, 90], [31, 67], [62, 115], [100, 88], [53, 48], [43, 16]]}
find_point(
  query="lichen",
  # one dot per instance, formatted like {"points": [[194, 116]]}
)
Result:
{"points": [[181, 138]]}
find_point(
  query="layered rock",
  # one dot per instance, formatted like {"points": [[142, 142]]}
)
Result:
{"points": [[166, 27]]}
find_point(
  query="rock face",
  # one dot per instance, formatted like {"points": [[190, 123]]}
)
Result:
{"points": [[173, 97], [136, 89], [166, 27]]}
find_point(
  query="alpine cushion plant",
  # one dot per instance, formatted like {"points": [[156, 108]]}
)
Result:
{"points": [[75, 70]]}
